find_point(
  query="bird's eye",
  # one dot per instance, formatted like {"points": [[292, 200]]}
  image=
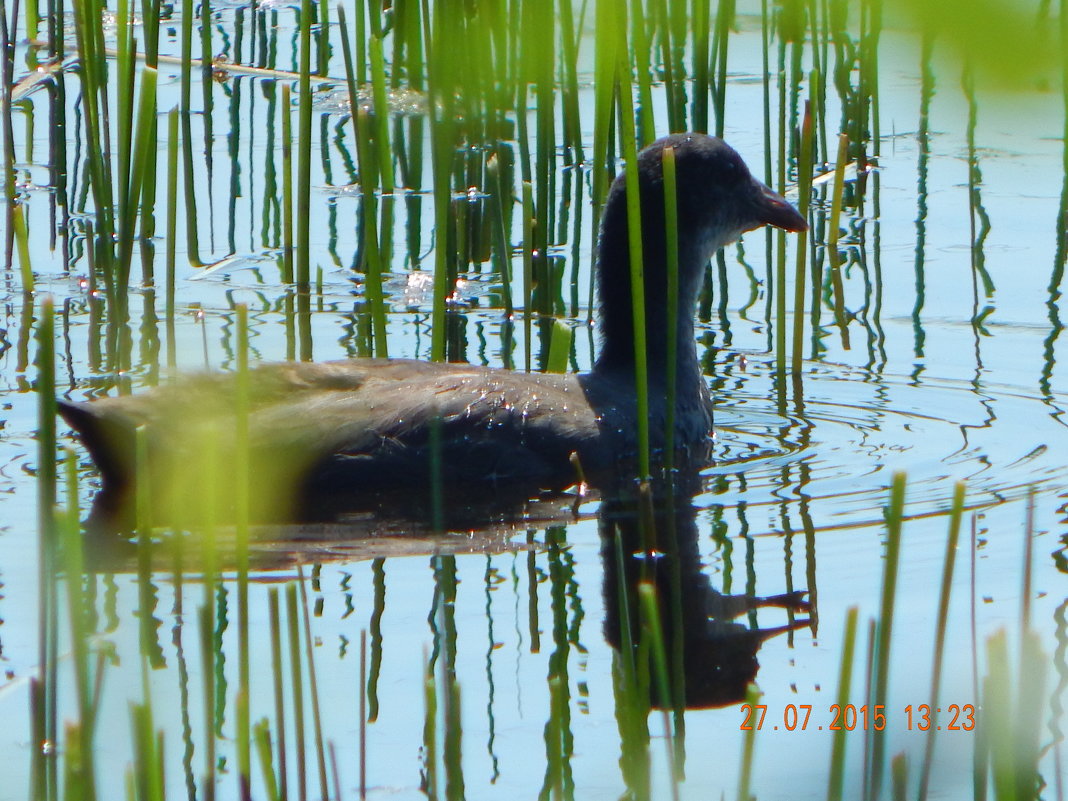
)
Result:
{"points": [[732, 170]]}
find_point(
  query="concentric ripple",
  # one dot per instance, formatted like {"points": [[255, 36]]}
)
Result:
{"points": [[832, 450]]}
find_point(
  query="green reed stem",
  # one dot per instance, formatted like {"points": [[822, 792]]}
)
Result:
{"points": [[1028, 561], [997, 721], [188, 174], [700, 14], [207, 651], [313, 687], [363, 714], [745, 770], [150, 15], [93, 70], [868, 83], [672, 86], [242, 483], [845, 673], [146, 773], [500, 196], [207, 84], [373, 267], [287, 184], [451, 752], [622, 601], [630, 685], [186, 81], [437, 475], [671, 239], [818, 86], [441, 94], [544, 57], [346, 54], [275, 621], [322, 39], [379, 88], [577, 245], [724, 21], [528, 271], [804, 183], [47, 623], [261, 733], [7, 178], [1010, 714], [172, 233], [948, 561], [33, 19], [69, 528], [559, 348], [143, 522], [304, 134], [569, 87], [765, 62], [297, 690], [22, 243], [430, 726], [779, 288], [555, 739], [650, 607], [1031, 704], [243, 744], [73, 757], [894, 518], [125, 64], [148, 190], [41, 787], [604, 99], [360, 23], [144, 150], [899, 777], [637, 275], [442, 131], [646, 129], [355, 112]]}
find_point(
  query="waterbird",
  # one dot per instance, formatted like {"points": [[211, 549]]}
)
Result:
{"points": [[321, 433]]}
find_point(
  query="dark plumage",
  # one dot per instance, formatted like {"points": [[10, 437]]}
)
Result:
{"points": [[337, 428]]}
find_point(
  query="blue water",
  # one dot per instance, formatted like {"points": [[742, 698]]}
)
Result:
{"points": [[794, 500]]}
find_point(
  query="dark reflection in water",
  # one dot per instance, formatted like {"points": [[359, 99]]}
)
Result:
{"points": [[647, 538], [653, 539], [1057, 274], [979, 222], [924, 146]]}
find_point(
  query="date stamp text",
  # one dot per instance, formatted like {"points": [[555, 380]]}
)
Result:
{"points": [[849, 717]]}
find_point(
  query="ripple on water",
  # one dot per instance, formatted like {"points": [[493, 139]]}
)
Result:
{"points": [[838, 448]]}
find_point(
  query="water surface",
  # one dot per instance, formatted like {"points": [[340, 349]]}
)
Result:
{"points": [[943, 379]]}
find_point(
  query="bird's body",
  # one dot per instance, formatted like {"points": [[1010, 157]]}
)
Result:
{"points": [[339, 428]]}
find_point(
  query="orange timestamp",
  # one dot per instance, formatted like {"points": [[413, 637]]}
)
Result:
{"points": [[849, 717]]}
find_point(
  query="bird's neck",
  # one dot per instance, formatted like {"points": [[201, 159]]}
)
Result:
{"points": [[618, 354]]}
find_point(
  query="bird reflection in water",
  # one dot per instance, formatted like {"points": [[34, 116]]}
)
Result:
{"points": [[711, 655]]}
